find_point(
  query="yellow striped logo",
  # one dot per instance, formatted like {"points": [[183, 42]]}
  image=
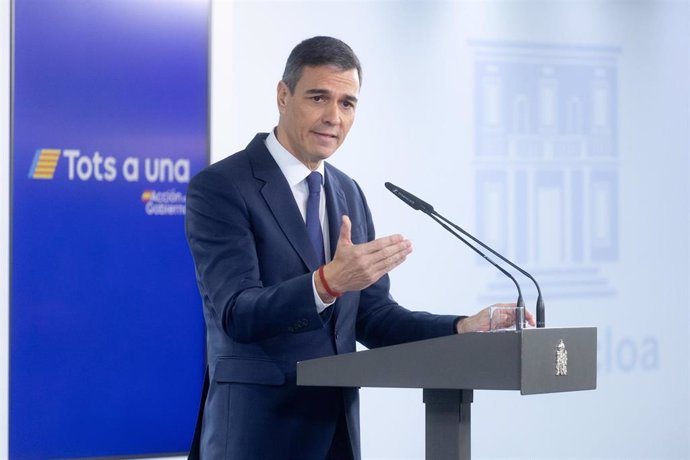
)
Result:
{"points": [[45, 163]]}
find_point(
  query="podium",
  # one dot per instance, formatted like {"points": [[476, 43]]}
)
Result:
{"points": [[449, 369]]}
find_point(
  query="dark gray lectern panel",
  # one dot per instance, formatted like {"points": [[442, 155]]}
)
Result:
{"points": [[506, 360], [488, 361]]}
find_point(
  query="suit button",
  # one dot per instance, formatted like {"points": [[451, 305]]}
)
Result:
{"points": [[337, 336]]}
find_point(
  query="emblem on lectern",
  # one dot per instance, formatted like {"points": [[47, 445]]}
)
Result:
{"points": [[561, 359]]}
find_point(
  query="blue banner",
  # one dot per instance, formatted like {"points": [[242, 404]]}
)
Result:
{"points": [[110, 121]]}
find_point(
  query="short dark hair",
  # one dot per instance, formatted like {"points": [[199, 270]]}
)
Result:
{"points": [[317, 51]]}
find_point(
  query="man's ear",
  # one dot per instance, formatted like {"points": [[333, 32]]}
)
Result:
{"points": [[282, 93]]}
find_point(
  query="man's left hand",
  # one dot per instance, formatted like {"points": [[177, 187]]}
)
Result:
{"points": [[497, 316]]}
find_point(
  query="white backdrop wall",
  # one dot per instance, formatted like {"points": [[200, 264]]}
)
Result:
{"points": [[556, 130]]}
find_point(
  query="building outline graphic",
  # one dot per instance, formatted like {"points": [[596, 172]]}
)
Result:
{"points": [[546, 162]]}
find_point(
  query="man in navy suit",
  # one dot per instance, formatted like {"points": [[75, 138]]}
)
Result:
{"points": [[289, 269]]}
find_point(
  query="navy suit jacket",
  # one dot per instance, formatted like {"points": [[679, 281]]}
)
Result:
{"points": [[254, 263]]}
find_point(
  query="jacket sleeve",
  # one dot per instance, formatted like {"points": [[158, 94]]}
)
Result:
{"points": [[223, 245]]}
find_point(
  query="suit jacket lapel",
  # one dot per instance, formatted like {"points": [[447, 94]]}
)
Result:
{"points": [[336, 207], [278, 195]]}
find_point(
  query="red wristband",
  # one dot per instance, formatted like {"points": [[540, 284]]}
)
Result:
{"points": [[330, 291]]}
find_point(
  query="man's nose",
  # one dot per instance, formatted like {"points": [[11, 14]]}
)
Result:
{"points": [[331, 114]]}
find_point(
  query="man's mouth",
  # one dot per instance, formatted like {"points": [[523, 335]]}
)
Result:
{"points": [[326, 135]]}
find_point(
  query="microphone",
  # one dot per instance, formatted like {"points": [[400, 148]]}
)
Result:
{"points": [[420, 205], [416, 203]]}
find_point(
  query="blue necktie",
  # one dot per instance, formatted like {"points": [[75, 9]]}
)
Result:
{"points": [[313, 221]]}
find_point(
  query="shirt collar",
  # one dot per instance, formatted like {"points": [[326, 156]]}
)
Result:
{"points": [[294, 170]]}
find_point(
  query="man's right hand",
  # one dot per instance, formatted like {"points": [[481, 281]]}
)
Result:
{"points": [[357, 266]]}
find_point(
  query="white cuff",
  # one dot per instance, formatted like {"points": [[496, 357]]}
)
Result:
{"points": [[320, 305]]}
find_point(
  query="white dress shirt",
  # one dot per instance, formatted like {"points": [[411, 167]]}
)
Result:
{"points": [[296, 174]]}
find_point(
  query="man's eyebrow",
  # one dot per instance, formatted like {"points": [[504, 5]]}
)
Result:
{"points": [[321, 91]]}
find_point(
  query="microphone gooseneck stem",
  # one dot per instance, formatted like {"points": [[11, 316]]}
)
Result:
{"points": [[421, 205], [520, 312], [540, 301]]}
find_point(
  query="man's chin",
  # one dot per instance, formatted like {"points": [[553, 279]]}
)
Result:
{"points": [[323, 154]]}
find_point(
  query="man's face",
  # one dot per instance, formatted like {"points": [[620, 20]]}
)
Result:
{"points": [[315, 120]]}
